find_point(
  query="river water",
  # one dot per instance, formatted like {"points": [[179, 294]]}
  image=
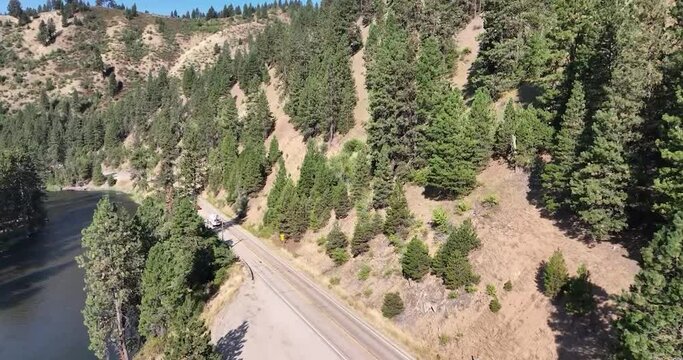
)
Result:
{"points": [[41, 286]]}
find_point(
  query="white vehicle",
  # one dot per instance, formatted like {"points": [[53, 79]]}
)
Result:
{"points": [[214, 221]]}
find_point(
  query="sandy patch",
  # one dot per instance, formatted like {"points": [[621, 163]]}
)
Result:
{"points": [[290, 140], [467, 39]]}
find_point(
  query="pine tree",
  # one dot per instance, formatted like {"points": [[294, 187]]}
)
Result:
{"points": [[275, 195], [451, 148], [483, 119], [450, 262], [506, 130], [565, 151], [383, 180], [251, 167], [311, 166], [273, 151], [391, 88], [458, 272], [21, 188], [360, 176], [431, 87], [362, 233], [598, 188], [555, 275], [294, 219], [399, 219], [113, 263], [415, 262], [668, 184], [652, 311], [392, 305], [336, 245], [189, 338], [341, 202]]}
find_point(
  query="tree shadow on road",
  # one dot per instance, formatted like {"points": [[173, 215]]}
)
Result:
{"points": [[231, 344]]}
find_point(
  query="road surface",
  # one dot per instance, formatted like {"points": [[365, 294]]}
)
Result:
{"points": [[335, 331]]}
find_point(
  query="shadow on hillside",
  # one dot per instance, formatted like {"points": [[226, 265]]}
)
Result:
{"points": [[231, 344], [569, 224], [565, 221], [590, 336]]}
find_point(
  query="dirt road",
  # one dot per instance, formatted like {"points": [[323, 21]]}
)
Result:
{"points": [[321, 326]]}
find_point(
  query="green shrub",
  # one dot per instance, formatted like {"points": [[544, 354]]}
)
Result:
{"points": [[364, 272], [352, 146], [393, 305], [335, 280], [453, 294], [490, 201], [339, 256], [336, 245], [470, 288], [462, 207], [111, 180], [580, 299], [491, 290], [554, 275], [440, 219], [395, 241], [367, 292], [507, 286], [494, 305], [419, 177], [444, 339], [416, 261], [321, 241]]}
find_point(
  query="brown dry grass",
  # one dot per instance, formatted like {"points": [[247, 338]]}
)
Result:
{"points": [[290, 140], [225, 294]]}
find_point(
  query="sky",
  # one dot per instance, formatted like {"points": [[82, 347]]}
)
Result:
{"points": [[162, 7]]}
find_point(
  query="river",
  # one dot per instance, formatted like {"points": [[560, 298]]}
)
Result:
{"points": [[41, 286]]}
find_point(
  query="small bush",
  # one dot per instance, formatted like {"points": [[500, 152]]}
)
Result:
{"points": [[352, 146], [490, 201], [367, 292], [554, 275], [322, 241], [494, 305], [462, 207], [453, 294], [111, 180], [444, 339], [419, 177], [339, 256], [364, 272], [393, 305], [507, 286], [580, 299], [395, 241], [491, 290], [470, 288], [440, 219], [335, 281]]}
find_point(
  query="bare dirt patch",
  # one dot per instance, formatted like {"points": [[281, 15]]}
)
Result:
{"points": [[290, 140], [467, 39]]}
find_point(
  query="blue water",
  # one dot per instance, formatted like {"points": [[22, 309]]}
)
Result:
{"points": [[41, 286]]}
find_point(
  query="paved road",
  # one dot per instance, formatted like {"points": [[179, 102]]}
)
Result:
{"points": [[334, 323]]}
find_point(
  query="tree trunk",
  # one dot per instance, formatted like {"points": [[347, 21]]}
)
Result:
{"points": [[123, 351]]}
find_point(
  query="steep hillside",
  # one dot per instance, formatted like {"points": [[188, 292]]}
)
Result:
{"points": [[100, 38]]}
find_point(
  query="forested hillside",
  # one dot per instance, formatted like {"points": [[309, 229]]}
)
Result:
{"points": [[503, 219]]}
